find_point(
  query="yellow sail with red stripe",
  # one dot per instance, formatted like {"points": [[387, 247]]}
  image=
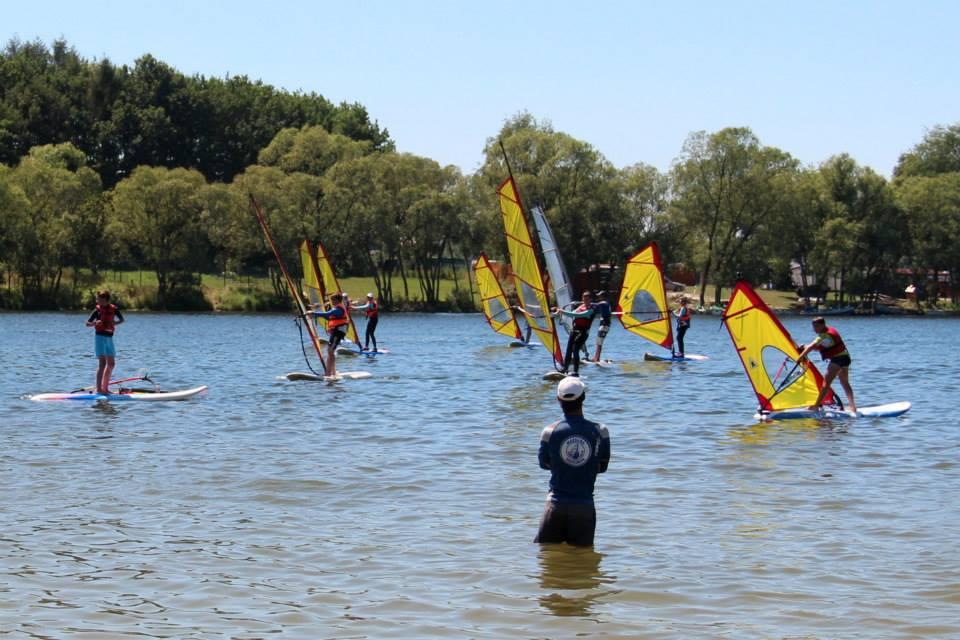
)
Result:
{"points": [[496, 309], [643, 298], [527, 273], [768, 354]]}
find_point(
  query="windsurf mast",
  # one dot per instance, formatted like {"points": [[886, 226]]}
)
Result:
{"points": [[643, 298], [769, 354], [314, 339]]}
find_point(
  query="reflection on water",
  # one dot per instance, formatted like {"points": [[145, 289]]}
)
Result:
{"points": [[571, 579]]}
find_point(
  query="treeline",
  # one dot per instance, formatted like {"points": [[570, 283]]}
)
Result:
{"points": [[729, 206]]}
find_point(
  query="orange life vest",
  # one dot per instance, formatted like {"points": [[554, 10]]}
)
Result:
{"points": [[105, 323], [335, 322]]}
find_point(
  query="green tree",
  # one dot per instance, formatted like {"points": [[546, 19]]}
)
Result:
{"points": [[157, 219], [311, 150], [573, 183], [938, 152], [864, 235], [931, 206], [725, 193], [57, 193]]}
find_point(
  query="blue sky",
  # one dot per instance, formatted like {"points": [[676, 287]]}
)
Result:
{"points": [[633, 79]]}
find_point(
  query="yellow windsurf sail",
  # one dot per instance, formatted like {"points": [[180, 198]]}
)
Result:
{"points": [[330, 285], [312, 285], [495, 306], [527, 274], [768, 354], [643, 298]]}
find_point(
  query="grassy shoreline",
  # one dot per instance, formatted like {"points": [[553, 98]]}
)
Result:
{"points": [[136, 290]]}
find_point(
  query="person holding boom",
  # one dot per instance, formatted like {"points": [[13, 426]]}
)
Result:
{"points": [[337, 320], [831, 347]]}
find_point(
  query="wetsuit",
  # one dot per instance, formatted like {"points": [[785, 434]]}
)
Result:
{"points": [[372, 311], [603, 308], [683, 323]]}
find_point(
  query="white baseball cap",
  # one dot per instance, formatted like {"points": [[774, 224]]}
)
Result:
{"points": [[570, 388], [369, 295]]}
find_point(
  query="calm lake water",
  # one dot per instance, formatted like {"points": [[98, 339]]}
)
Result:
{"points": [[404, 505]]}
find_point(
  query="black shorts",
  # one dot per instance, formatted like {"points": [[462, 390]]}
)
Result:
{"points": [[336, 337], [842, 361]]}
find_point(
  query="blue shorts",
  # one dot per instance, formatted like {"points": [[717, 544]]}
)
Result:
{"points": [[103, 346]]}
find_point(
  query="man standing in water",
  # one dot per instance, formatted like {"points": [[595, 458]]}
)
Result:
{"points": [[831, 347], [574, 450]]}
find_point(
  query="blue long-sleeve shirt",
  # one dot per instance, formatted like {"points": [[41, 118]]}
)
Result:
{"points": [[574, 450]]}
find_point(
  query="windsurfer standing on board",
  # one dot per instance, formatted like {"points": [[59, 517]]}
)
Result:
{"points": [[337, 320], [603, 308], [683, 323], [372, 310], [105, 317], [582, 319], [574, 450], [831, 347]]}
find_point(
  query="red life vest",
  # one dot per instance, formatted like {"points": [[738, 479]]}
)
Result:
{"points": [[838, 348], [104, 324], [683, 318], [586, 321], [373, 309], [333, 322]]}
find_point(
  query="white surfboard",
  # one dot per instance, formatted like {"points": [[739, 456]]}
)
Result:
{"points": [[341, 375], [688, 357], [123, 396], [889, 410]]}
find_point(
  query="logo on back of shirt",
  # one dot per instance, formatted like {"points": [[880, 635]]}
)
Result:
{"points": [[575, 451]]}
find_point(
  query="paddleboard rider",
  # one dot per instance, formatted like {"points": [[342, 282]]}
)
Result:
{"points": [[831, 347], [337, 320], [574, 450], [372, 310], [104, 319], [603, 308], [683, 323], [582, 319]]}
